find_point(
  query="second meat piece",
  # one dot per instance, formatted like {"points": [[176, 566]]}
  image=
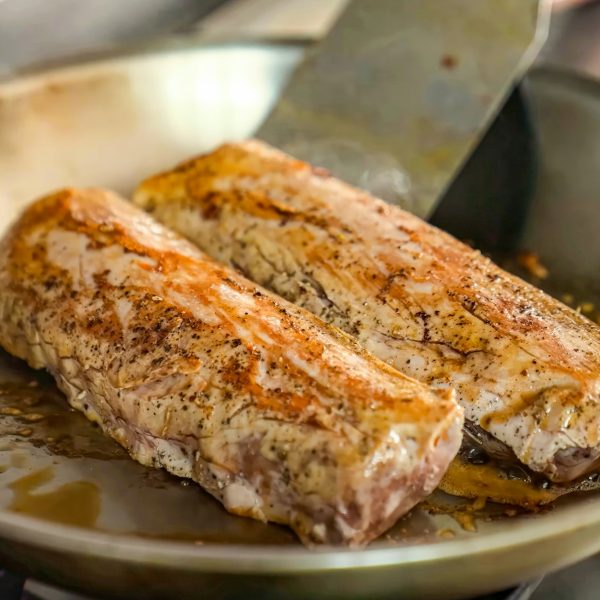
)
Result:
{"points": [[526, 368]]}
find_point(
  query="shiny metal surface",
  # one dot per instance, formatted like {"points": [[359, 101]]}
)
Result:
{"points": [[86, 26], [398, 94], [112, 122], [573, 42]]}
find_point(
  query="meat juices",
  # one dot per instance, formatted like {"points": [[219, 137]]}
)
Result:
{"points": [[193, 368]]}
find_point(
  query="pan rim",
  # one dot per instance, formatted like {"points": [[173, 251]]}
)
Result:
{"points": [[278, 559], [239, 559]]}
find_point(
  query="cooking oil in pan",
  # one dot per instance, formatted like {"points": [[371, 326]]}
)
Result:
{"points": [[74, 503]]}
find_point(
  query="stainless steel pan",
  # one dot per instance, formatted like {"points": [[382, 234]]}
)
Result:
{"points": [[133, 532]]}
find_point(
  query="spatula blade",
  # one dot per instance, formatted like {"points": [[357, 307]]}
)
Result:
{"points": [[398, 94]]}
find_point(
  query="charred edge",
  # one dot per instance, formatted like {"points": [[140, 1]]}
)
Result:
{"points": [[480, 447]]}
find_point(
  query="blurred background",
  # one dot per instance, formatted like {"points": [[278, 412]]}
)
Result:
{"points": [[36, 31]]}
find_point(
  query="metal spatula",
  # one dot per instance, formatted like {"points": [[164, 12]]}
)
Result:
{"points": [[399, 93]]}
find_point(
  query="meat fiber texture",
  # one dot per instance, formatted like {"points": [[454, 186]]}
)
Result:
{"points": [[193, 368]]}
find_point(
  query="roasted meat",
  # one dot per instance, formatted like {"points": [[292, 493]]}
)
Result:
{"points": [[195, 369], [525, 367]]}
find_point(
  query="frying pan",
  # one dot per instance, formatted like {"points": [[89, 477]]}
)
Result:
{"points": [[77, 512]]}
